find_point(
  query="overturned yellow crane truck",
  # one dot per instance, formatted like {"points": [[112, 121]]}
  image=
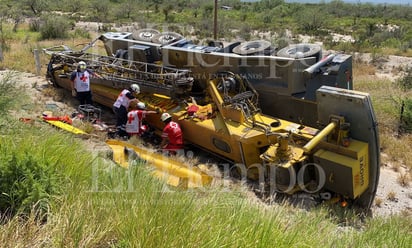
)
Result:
{"points": [[287, 118]]}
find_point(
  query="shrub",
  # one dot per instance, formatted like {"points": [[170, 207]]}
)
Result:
{"points": [[27, 180], [406, 81], [405, 124], [34, 25], [7, 93], [54, 27], [245, 31], [81, 33], [26, 183]]}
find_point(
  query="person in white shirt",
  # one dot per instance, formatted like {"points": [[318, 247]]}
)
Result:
{"points": [[121, 107], [81, 83], [134, 125]]}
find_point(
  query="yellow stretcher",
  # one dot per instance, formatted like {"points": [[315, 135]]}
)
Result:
{"points": [[65, 126], [173, 171]]}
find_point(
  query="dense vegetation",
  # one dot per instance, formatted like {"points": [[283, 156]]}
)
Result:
{"points": [[374, 28]]}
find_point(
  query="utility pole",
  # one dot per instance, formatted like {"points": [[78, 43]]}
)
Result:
{"points": [[215, 23]]}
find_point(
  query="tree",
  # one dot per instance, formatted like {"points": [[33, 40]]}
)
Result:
{"points": [[156, 4], [101, 9], [265, 5], [207, 11], [54, 27], [310, 21], [18, 10], [166, 10], [74, 5], [127, 8], [36, 6]]}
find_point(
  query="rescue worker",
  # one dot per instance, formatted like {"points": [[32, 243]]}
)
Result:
{"points": [[121, 107], [172, 136], [197, 111], [135, 118], [81, 83]]}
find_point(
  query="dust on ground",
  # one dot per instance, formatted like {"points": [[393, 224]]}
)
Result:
{"points": [[391, 67], [391, 197]]}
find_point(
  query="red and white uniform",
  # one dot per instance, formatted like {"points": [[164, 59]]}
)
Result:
{"points": [[134, 122], [82, 81], [173, 132], [122, 99]]}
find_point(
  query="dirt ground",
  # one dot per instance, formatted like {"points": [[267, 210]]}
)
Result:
{"points": [[391, 198]]}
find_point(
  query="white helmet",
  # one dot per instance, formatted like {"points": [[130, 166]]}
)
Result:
{"points": [[82, 65], [141, 105], [135, 88], [165, 116]]}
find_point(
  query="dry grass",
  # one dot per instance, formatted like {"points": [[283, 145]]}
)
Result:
{"points": [[87, 127], [404, 179], [49, 92], [386, 96], [378, 202], [395, 51], [396, 166], [20, 52], [391, 196], [20, 55], [397, 70], [397, 149], [361, 68], [406, 213]]}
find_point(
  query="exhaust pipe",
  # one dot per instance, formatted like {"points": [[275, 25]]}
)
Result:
{"points": [[311, 70]]}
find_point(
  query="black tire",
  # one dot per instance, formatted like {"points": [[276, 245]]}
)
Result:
{"points": [[122, 54], [301, 50], [166, 38], [146, 34], [257, 47], [214, 43]]}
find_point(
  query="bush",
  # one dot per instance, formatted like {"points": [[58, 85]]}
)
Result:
{"points": [[26, 183], [406, 81], [55, 27], [81, 33], [405, 124], [34, 25], [7, 93], [27, 180]]}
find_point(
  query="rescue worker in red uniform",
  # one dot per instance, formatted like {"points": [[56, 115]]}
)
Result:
{"points": [[81, 83], [135, 118], [121, 107], [172, 136]]}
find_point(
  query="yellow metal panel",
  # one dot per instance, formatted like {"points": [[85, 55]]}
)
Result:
{"points": [[358, 168], [172, 170], [119, 156]]}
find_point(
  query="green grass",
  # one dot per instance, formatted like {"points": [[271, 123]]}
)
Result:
{"points": [[129, 208], [100, 204]]}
